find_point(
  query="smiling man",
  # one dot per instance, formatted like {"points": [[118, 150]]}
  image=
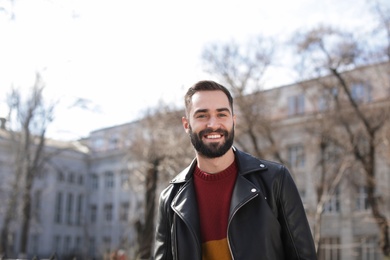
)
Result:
{"points": [[228, 204]]}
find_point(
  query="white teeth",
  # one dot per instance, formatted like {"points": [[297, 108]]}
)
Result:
{"points": [[213, 136]]}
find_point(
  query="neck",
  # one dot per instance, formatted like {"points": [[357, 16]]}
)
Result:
{"points": [[214, 165]]}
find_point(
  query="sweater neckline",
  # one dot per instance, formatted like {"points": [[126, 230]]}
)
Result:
{"points": [[230, 170]]}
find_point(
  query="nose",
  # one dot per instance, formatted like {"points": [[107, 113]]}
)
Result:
{"points": [[213, 123]]}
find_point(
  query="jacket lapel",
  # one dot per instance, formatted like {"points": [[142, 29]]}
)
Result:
{"points": [[185, 206], [243, 191]]}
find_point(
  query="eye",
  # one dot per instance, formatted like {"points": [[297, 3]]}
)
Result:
{"points": [[222, 115], [201, 116]]}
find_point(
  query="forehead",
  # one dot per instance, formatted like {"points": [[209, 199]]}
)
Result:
{"points": [[210, 100]]}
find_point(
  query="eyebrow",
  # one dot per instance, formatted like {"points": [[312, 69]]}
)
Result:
{"points": [[224, 109]]}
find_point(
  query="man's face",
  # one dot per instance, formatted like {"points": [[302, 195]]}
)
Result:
{"points": [[210, 123]]}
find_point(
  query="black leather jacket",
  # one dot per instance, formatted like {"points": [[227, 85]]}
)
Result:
{"points": [[267, 220]]}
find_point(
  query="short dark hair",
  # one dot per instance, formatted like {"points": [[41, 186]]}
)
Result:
{"points": [[205, 85]]}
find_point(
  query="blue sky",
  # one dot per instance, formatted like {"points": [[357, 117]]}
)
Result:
{"points": [[126, 55]]}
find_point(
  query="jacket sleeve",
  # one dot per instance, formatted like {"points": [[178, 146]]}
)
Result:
{"points": [[162, 244], [296, 232]]}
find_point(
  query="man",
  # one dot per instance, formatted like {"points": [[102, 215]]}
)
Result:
{"points": [[228, 204]]}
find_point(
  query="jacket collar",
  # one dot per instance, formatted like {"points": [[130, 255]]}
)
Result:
{"points": [[246, 164]]}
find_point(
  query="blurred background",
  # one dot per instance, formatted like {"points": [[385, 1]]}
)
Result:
{"points": [[92, 98]]}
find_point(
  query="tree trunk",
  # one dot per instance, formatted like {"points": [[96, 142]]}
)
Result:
{"points": [[379, 218], [146, 233], [26, 211], [9, 214], [11, 208]]}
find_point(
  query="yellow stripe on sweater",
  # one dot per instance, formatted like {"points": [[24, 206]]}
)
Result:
{"points": [[216, 250]]}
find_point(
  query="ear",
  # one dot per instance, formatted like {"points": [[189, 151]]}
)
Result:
{"points": [[186, 124]]}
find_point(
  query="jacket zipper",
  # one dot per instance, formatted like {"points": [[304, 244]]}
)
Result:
{"points": [[230, 220]]}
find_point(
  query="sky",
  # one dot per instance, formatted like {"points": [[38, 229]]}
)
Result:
{"points": [[125, 56]]}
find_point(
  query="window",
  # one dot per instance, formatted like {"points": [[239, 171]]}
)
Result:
{"points": [[93, 213], [330, 249], [361, 92], [34, 243], [60, 176], [331, 153], [296, 105], [57, 243], [124, 211], [333, 205], [79, 213], [98, 144], [327, 98], [58, 208], [71, 177], [67, 244], [78, 244], [109, 180], [367, 248], [81, 179], [37, 205], [113, 142], [296, 156], [125, 179], [94, 181], [107, 243], [323, 103], [362, 199], [92, 246], [108, 212], [69, 209]]}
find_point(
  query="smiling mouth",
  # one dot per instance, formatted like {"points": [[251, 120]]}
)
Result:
{"points": [[213, 136]]}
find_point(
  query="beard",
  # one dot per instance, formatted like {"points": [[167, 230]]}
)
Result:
{"points": [[211, 150]]}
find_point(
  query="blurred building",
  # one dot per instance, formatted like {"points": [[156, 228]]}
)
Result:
{"points": [[85, 204], [310, 122], [88, 200]]}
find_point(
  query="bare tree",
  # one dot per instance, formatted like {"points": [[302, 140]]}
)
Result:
{"points": [[161, 148], [242, 68], [333, 166], [356, 121], [30, 118]]}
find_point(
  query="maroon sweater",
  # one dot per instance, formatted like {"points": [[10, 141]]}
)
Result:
{"points": [[213, 193]]}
